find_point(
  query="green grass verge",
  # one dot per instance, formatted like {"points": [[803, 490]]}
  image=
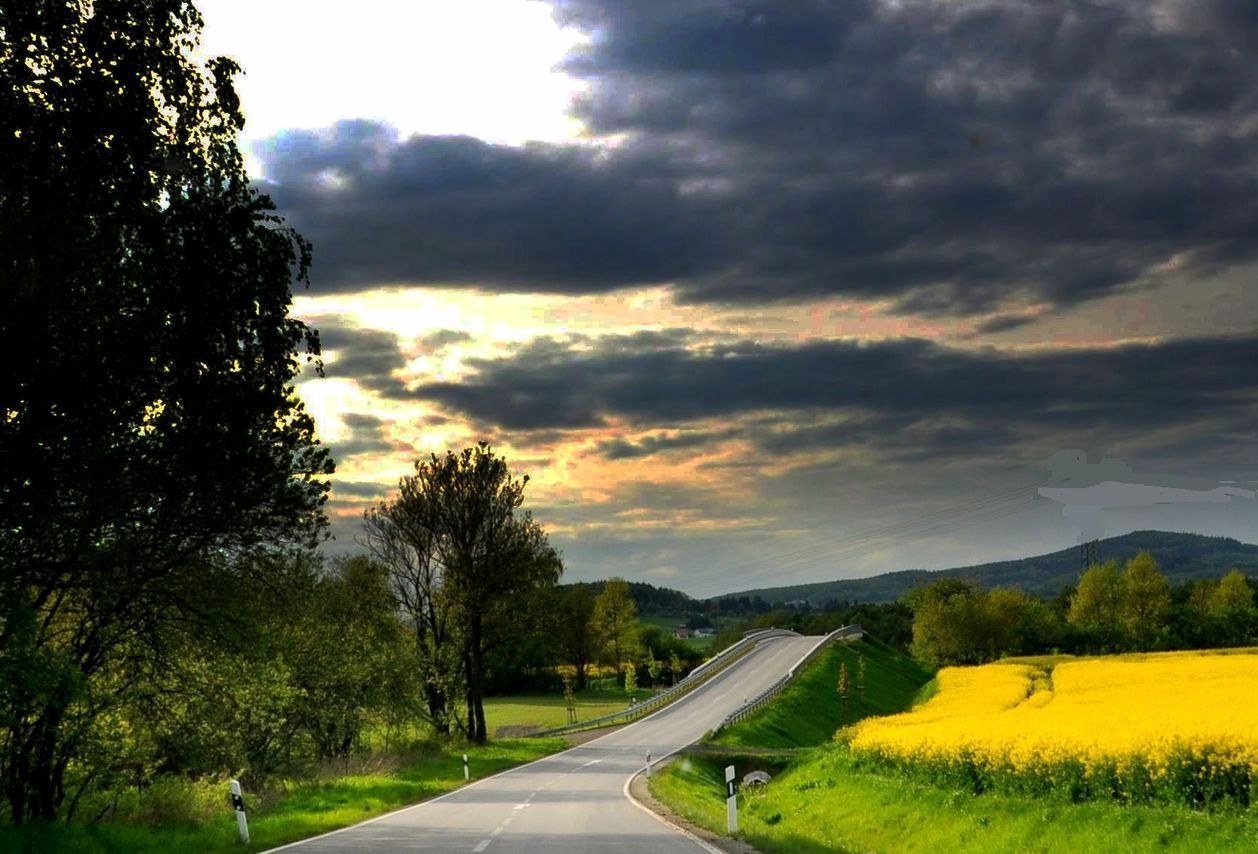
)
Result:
{"points": [[825, 803], [809, 710], [549, 711], [307, 810]]}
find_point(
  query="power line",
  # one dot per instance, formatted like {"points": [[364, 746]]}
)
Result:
{"points": [[827, 547], [891, 528], [775, 569]]}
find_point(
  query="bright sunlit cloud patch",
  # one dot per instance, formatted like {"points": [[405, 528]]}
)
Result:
{"points": [[478, 67]]}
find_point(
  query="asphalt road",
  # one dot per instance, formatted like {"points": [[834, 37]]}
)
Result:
{"points": [[574, 801]]}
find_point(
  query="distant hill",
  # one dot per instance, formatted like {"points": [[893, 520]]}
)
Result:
{"points": [[1181, 556]]}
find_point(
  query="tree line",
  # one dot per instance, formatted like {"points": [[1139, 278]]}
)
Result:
{"points": [[1115, 607]]}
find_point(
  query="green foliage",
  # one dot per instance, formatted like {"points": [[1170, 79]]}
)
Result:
{"points": [[1146, 599], [575, 631], [1189, 779], [321, 655], [653, 639], [1233, 595], [469, 567], [617, 619], [177, 815], [149, 420], [631, 679], [952, 623]]}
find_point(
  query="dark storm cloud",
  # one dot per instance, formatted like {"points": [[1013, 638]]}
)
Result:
{"points": [[913, 398], [456, 210], [949, 155], [949, 152]]}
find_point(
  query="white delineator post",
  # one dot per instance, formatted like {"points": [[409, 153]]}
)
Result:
{"points": [[467, 775], [731, 801], [238, 802]]}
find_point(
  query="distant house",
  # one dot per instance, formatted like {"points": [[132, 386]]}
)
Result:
{"points": [[681, 632], [705, 633]]}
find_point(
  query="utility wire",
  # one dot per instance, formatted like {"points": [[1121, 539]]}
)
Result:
{"points": [[827, 547], [872, 547], [940, 522]]}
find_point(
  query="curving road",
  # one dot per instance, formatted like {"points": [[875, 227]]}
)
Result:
{"points": [[574, 801]]}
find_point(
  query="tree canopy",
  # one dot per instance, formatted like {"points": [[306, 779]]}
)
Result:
{"points": [[467, 558], [148, 418]]}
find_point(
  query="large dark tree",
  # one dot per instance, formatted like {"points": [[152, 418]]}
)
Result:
{"points": [[148, 419], [457, 524]]}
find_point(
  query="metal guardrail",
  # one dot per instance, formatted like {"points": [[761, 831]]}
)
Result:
{"points": [[763, 699], [694, 679]]}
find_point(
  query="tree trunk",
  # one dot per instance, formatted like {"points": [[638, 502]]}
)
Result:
{"points": [[580, 674], [35, 780], [470, 726], [475, 684], [437, 709]]}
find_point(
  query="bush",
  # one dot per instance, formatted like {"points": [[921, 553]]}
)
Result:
{"points": [[1199, 779]]}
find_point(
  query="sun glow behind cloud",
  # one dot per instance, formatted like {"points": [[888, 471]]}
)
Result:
{"points": [[485, 68]]}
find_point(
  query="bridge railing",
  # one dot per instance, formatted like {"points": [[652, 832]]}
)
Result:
{"points": [[699, 676], [766, 696]]}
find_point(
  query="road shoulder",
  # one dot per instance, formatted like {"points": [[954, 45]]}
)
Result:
{"points": [[639, 791]]}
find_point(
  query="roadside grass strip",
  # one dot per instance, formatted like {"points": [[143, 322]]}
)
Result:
{"points": [[306, 809], [826, 801], [809, 710]]}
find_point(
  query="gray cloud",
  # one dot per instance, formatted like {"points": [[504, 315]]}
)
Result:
{"points": [[620, 449], [442, 338], [368, 356], [366, 437], [913, 398], [954, 156], [456, 210], [359, 490]]}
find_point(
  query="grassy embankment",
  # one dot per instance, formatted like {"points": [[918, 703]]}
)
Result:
{"points": [[182, 816], [820, 800]]}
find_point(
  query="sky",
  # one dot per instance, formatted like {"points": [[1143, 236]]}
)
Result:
{"points": [[760, 293]]}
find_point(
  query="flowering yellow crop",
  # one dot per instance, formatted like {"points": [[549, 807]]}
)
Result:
{"points": [[1153, 710]]}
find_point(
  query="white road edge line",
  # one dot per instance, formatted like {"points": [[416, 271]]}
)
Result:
{"points": [[480, 846], [706, 846], [702, 843], [546, 758]]}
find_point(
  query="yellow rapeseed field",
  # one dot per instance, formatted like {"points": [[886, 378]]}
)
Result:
{"points": [[1155, 710]]}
